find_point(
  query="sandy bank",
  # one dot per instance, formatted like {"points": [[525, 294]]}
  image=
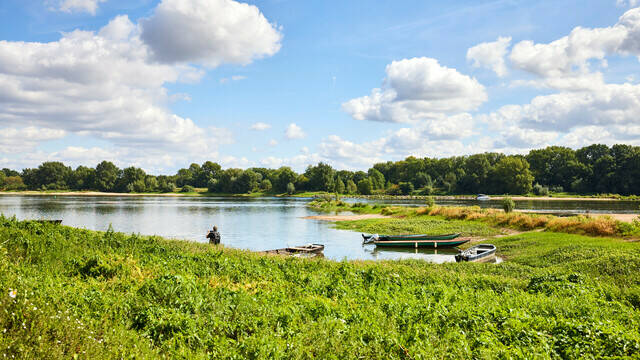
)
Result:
{"points": [[84, 193], [549, 198], [346, 217]]}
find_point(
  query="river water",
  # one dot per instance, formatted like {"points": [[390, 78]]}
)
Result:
{"points": [[245, 223]]}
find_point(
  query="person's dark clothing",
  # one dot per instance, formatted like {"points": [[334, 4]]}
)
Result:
{"points": [[214, 237]]}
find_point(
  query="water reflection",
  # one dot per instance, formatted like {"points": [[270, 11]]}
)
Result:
{"points": [[248, 223], [432, 255], [545, 206]]}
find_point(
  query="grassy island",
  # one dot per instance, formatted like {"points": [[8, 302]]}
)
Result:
{"points": [[70, 293]]}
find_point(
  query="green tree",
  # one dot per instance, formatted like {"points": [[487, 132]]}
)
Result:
{"points": [[351, 187], [53, 175], [265, 185], [554, 166], [284, 176], [376, 178], [291, 189], [106, 176], [83, 178], [340, 187], [132, 180], [512, 176], [364, 187], [321, 177]]}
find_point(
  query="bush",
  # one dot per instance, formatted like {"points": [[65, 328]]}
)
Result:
{"points": [[406, 188], [291, 189], [557, 189], [430, 201], [188, 189], [540, 190], [508, 204]]}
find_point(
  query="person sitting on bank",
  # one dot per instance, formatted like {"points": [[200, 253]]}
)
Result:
{"points": [[214, 236]]}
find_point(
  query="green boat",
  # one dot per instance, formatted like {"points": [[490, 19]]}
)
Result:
{"points": [[430, 241]]}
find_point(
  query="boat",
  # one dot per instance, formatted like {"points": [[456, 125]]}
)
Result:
{"points": [[478, 253], [55, 222], [304, 249], [431, 241], [483, 197]]}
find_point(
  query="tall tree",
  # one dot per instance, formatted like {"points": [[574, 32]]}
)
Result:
{"points": [[107, 175]]}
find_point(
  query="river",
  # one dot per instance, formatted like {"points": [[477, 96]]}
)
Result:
{"points": [[244, 223]]}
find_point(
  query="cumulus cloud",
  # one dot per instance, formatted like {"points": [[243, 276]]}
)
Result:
{"points": [[209, 32], [18, 140], [71, 6], [294, 131], [490, 55], [566, 63], [108, 85], [232, 78], [416, 90], [260, 126]]}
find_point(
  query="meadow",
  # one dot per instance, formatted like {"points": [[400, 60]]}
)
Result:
{"points": [[407, 220], [73, 293]]}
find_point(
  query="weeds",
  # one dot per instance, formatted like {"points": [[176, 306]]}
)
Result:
{"points": [[110, 296]]}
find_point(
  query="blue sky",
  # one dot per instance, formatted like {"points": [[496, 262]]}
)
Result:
{"points": [[161, 84]]}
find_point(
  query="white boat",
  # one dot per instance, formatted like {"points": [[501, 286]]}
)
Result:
{"points": [[483, 197]]}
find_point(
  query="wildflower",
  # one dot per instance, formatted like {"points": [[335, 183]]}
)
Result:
{"points": [[13, 293]]}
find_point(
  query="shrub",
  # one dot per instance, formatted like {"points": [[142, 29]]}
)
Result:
{"points": [[430, 201], [540, 190], [508, 205], [406, 188], [291, 189], [188, 189]]}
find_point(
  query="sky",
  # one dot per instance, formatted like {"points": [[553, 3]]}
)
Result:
{"points": [[161, 84]]}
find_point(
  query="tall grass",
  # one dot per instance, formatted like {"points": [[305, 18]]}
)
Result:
{"points": [[84, 294]]}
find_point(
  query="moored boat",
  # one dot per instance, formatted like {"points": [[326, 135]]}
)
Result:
{"points": [[45, 221], [478, 253], [304, 249], [430, 241]]}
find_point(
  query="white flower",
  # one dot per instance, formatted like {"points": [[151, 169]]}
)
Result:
{"points": [[13, 293]]}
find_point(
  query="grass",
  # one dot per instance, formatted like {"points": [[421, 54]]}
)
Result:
{"points": [[418, 225], [596, 226], [107, 295]]}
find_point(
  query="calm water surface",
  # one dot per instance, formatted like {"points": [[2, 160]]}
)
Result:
{"points": [[245, 223]]}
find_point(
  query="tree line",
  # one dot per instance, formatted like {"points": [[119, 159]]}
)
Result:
{"points": [[590, 170]]}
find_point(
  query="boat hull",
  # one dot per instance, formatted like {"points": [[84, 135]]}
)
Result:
{"points": [[421, 243], [478, 253]]}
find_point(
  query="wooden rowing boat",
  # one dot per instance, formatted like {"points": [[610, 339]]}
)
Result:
{"points": [[55, 222], [304, 249], [429, 241], [478, 253]]}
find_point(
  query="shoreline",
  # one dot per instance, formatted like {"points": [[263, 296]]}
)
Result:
{"points": [[372, 197], [334, 218]]}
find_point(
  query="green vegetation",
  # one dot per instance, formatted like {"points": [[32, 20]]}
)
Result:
{"points": [[596, 226], [595, 169], [70, 293], [418, 225], [508, 205]]}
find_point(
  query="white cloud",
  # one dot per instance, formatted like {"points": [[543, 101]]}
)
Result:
{"points": [[627, 3], [490, 55], [260, 126], [416, 90], [209, 32], [294, 131], [108, 85], [566, 63], [273, 142], [18, 140], [232, 78], [71, 6]]}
